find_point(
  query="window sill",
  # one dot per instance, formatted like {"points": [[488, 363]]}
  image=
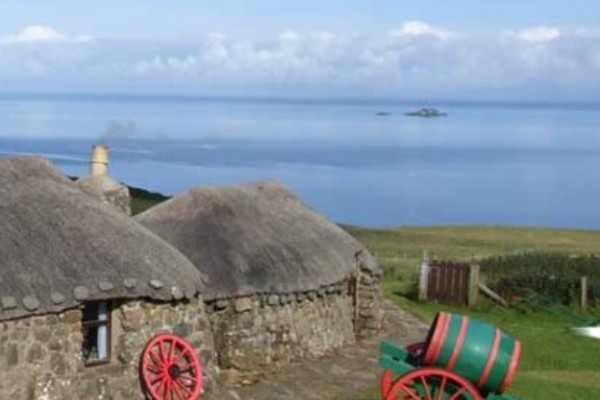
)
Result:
{"points": [[96, 363]]}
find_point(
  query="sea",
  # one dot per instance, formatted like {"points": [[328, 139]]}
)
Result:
{"points": [[360, 162]]}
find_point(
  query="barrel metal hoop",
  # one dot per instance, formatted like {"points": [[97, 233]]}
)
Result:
{"points": [[434, 341], [464, 325], [512, 367], [442, 341], [489, 364]]}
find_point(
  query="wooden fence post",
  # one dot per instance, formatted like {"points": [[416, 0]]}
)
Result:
{"points": [[584, 292], [495, 296], [473, 284], [424, 277]]}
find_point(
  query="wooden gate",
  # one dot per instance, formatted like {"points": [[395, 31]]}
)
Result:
{"points": [[448, 282]]}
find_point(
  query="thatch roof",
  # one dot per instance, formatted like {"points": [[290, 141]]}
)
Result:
{"points": [[59, 246], [256, 238], [107, 190]]}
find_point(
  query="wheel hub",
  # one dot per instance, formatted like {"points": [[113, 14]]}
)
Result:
{"points": [[174, 371]]}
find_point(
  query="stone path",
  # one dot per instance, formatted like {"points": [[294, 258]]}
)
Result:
{"points": [[342, 375]]}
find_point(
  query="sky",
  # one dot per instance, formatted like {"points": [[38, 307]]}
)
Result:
{"points": [[454, 49]]}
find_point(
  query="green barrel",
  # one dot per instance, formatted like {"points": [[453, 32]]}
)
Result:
{"points": [[473, 349]]}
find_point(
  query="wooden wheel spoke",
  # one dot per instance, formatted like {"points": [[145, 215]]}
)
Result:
{"points": [[159, 377], [186, 391], [171, 351], [456, 395], [412, 394], [155, 370], [186, 367], [442, 388], [159, 382], [429, 383], [161, 353], [179, 357], [168, 392], [176, 394], [400, 388], [161, 385], [426, 388], [158, 363]]}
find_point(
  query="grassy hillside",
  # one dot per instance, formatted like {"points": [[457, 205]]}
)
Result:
{"points": [[142, 199], [401, 249]]}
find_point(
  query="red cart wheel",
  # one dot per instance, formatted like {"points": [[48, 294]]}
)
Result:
{"points": [[431, 384], [171, 369]]}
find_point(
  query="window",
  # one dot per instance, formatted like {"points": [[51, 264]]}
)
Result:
{"points": [[96, 333]]}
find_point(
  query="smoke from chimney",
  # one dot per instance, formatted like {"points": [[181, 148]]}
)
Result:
{"points": [[118, 130]]}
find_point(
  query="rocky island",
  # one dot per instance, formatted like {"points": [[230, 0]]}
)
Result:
{"points": [[427, 113]]}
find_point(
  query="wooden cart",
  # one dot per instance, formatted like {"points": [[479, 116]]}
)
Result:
{"points": [[462, 358]]}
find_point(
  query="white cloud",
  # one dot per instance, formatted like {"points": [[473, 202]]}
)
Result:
{"points": [[35, 33], [416, 59], [539, 34], [418, 28], [40, 34]]}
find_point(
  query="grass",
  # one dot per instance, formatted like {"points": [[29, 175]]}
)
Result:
{"points": [[468, 242], [141, 199], [554, 365], [400, 250]]}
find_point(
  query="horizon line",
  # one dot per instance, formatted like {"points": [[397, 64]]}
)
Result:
{"points": [[291, 99]]}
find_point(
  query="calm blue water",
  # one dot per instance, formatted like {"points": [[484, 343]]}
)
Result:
{"points": [[502, 164]]}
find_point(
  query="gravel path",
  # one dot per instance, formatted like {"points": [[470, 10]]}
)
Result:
{"points": [[343, 374]]}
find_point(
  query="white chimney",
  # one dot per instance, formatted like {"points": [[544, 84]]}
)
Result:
{"points": [[99, 160]]}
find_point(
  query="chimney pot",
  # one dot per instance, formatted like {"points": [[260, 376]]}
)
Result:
{"points": [[99, 160]]}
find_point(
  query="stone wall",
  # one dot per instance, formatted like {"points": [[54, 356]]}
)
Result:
{"points": [[40, 355], [369, 311], [268, 330]]}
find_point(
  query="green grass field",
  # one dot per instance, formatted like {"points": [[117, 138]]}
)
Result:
{"points": [[554, 365], [406, 244]]}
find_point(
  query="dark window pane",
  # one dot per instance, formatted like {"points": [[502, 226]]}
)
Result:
{"points": [[96, 332]]}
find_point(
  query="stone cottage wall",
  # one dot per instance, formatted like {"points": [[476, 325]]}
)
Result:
{"points": [[40, 356], [369, 307], [273, 329]]}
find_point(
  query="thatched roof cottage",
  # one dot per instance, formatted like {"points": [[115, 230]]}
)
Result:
{"points": [[285, 282], [82, 289]]}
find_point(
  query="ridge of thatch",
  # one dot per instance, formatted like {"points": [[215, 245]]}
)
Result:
{"points": [[256, 238], [107, 190], [59, 246]]}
